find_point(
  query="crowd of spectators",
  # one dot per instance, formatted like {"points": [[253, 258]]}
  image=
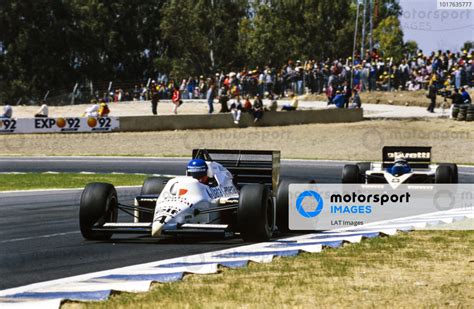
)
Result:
{"points": [[341, 80], [369, 73]]}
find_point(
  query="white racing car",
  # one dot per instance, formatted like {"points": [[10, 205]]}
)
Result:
{"points": [[235, 195], [401, 165]]}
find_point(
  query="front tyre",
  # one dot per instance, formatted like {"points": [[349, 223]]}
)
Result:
{"points": [[98, 205], [255, 213]]}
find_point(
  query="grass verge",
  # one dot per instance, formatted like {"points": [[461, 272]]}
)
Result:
{"points": [[419, 269], [63, 180]]}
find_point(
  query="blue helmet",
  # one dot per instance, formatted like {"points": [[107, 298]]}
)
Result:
{"points": [[197, 168]]}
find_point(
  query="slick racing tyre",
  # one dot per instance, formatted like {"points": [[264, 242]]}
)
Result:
{"points": [[255, 213], [98, 205], [454, 171], [363, 167], [151, 186], [444, 174], [154, 185], [282, 203], [351, 174]]}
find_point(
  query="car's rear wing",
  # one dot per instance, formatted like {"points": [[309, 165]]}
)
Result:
{"points": [[247, 166], [417, 157]]}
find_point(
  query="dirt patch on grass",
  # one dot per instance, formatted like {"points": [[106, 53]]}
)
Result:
{"points": [[451, 141], [419, 269]]}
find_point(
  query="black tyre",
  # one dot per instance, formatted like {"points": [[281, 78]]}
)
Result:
{"points": [[350, 174], [454, 171], [154, 185], [443, 174], [455, 112], [255, 213], [98, 205], [282, 205], [151, 186], [363, 167]]}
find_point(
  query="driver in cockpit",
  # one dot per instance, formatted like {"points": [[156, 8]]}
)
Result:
{"points": [[400, 165], [197, 168]]}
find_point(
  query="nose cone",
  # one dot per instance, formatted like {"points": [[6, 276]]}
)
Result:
{"points": [[156, 229]]}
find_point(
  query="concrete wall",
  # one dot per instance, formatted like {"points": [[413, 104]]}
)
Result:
{"points": [[218, 121]]}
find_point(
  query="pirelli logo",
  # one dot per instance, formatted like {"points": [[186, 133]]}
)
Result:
{"points": [[410, 155]]}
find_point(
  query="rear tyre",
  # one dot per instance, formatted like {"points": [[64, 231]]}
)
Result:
{"points": [[98, 205], [454, 171], [443, 174], [351, 174], [255, 213], [282, 205], [363, 167], [151, 186]]}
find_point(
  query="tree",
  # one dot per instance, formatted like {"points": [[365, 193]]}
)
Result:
{"points": [[282, 30], [201, 36], [389, 36], [468, 45], [411, 47]]}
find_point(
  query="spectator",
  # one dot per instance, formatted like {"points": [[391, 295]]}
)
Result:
{"points": [[456, 97], [93, 110], [347, 94], [143, 93], [183, 89], [210, 98], [104, 110], [273, 103], [339, 100], [154, 97], [176, 99], [432, 94], [223, 99], [7, 111], [293, 106], [465, 96], [236, 109], [43, 111], [356, 102], [257, 108], [136, 93], [247, 105]]}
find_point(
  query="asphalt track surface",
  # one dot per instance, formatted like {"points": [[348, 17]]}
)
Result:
{"points": [[39, 232]]}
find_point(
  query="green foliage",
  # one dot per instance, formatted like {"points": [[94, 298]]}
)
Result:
{"points": [[390, 37], [468, 45], [411, 47]]}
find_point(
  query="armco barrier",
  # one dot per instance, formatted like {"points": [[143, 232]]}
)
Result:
{"points": [[222, 121]]}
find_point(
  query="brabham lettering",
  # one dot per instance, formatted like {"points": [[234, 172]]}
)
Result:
{"points": [[410, 155]]}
